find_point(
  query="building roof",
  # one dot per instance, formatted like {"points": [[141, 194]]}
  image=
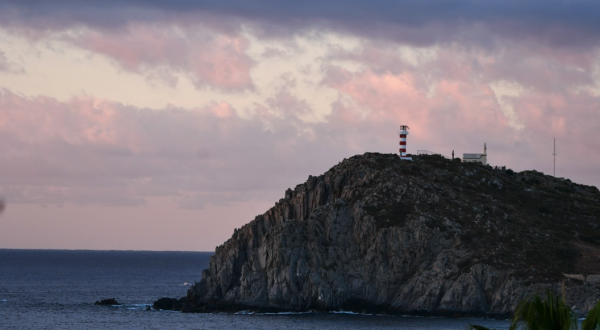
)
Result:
{"points": [[472, 156]]}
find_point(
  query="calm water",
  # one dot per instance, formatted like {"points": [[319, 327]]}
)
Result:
{"points": [[51, 289]]}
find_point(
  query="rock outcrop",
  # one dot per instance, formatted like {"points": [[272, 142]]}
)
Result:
{"points": [[110, 302], [432, 236]]}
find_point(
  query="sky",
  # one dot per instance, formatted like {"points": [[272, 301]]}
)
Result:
{"points": [[164, 125]]}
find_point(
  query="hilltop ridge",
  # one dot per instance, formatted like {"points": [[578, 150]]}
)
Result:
{"points": [[433, 236]]}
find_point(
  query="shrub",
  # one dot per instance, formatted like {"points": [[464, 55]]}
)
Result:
{"points": [[552, 312]]}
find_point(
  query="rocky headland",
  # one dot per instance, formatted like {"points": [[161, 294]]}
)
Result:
{"points": [[432, 236]]}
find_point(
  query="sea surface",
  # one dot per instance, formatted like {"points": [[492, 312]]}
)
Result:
{"points": [[56, 289]]}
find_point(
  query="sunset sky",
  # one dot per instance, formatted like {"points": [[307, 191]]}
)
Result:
{"points": [[164, 125]]}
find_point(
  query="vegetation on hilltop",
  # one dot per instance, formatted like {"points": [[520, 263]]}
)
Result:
{"points": [[537, 224]]}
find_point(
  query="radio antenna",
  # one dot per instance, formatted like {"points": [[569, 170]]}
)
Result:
{"points": [[554, 154]]}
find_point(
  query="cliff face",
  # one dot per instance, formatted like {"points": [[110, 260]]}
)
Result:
{"points": [[375, 233]]}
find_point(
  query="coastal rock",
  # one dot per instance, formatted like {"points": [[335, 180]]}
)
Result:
{"points": [[110, 301], [433, 236], [168, 304]]}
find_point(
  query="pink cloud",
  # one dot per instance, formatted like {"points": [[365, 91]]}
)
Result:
{"points": [[449, 105], [398, 99], [83, 149], [161, 52], [91, 151]]}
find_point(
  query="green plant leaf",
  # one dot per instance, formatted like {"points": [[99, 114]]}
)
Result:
{"points": [[592, 320], [550, 313], [477, 327]]}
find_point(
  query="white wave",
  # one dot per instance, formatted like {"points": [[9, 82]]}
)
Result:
{"points": [[134, 306], [286, 313], [300, 313], [280, 313], [347, 312], [3, 300]]}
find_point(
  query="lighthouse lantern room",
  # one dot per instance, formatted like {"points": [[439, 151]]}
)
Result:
{"points": [[403, 132]]}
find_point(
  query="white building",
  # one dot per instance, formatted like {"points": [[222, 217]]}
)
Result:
{"points": [[476, 158]]}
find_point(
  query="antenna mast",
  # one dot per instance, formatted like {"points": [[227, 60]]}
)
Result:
{"points": [[554, 154]]}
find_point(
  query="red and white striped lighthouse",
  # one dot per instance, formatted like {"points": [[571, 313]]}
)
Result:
{"points": [[403, 132]]}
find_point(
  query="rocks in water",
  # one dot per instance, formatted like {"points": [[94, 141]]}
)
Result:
{"points": [[110, 301], [168, 304], [433, 236]]}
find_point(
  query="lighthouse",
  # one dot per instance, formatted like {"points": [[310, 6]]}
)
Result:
{"points": [[403, 132]]}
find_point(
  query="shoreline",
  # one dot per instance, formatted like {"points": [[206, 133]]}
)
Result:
{"points": [[184, 305]]}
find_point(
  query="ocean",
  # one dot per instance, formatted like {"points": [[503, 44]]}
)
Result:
{"points": [[56, 289]]}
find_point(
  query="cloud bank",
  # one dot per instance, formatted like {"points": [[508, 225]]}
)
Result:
{"points": [[88, 150], [558, 23], [276, 91]]}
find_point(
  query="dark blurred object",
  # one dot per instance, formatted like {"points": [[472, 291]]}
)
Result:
{"points": [[110, 301]]}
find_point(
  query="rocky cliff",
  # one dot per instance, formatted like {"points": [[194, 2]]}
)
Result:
{"points": [[432, 236]]}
